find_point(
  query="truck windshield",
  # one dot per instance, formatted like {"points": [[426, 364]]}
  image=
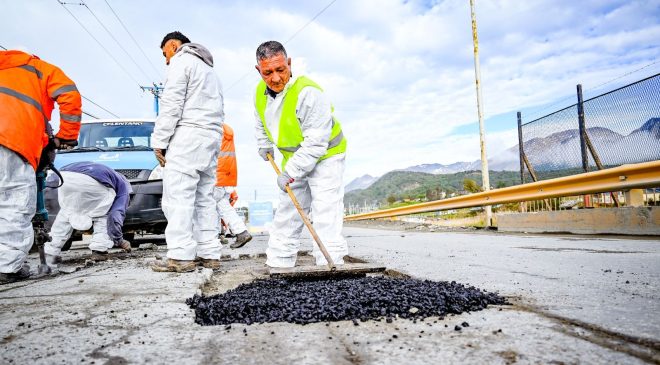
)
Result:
{"points": [[108, 136]]}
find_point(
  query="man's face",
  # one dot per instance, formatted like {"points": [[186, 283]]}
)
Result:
{"points": [[169, 49], [276, 71]]}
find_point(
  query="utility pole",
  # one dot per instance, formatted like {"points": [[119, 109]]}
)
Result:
{"points": [[156, 90], [485, 178]]}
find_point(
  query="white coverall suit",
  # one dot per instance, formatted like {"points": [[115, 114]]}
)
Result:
{"points": [[226, 211], [189, 127], [83, 202], [317, 186], [18, 202]]}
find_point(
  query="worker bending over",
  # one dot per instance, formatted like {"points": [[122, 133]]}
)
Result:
{"points": [[91, 195], [295, 115]]}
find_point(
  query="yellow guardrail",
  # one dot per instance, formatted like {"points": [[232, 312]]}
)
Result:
{"points": [[641, 175]]}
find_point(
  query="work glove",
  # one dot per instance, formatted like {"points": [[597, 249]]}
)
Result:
{"points": [[160, 156], [263, 152], [64, 144], [283, 180]]}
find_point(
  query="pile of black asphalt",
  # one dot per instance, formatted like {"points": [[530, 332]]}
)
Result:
{"points": [[327, 300]]}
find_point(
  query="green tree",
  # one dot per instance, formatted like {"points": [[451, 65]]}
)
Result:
{"points": [[471, 186], [391, 199]]}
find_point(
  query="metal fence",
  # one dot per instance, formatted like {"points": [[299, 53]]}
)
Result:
{"points": [[618, 127]]}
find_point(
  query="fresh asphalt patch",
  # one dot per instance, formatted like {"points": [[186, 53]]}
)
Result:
{"points": [[329, 300]]}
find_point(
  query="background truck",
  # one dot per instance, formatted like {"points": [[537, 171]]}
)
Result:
{"points": [[125, 146]]}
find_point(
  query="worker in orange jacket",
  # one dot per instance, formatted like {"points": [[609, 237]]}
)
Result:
{"points": [[29, 87], [226, 178]]}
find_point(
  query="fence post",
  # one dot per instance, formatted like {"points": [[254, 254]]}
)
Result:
{"points": [[582, 130], [520, 149]]}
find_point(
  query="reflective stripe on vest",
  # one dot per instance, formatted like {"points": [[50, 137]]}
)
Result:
{"points": [[290, 134]]}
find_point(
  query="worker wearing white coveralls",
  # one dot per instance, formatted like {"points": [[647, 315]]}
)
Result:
{"points": [[313, 148], [189, 130], [92, 195]]}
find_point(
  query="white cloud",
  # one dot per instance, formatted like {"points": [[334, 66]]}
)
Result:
{"points": [[400, 74]]}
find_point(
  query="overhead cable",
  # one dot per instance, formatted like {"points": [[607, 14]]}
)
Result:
{"points": [[99, 43], [158, 72], [91, 115], [310, 21], [109, 112], [288, 40], [88, 99], [591, 89], [116, 41]]}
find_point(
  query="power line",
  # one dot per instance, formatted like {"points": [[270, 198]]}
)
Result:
{"points": [[88, 99], [591, 89], [624, 75], [91, 115], [289, 40], [310, 21], [98, 42], [109, 112], [116, 41], [134, 41]]}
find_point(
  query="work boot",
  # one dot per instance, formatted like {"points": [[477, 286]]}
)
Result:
{"points": [[124, 245], [171, 265], [241, 239], [53, 260], [22, 274], [213, 264], [223, 239], [99, 256]]}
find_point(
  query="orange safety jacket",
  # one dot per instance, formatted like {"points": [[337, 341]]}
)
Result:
{"points": [[227, 168], [28, 89]]}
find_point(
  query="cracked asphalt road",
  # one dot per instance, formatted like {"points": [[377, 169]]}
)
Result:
{"points": [[576, 300]]}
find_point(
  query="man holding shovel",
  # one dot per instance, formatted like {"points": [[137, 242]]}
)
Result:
{"points": [[295, 115]]}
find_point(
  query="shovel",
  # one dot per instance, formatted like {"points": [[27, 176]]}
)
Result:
{"points": [[332, 270]]}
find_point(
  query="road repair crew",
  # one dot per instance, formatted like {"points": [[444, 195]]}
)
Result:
{"points": [[227, 177], [91, 194], [189, 130], [295, 115], [29, 87]]}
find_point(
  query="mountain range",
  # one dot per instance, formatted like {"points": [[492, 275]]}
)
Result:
{"points": [[560, 150]]}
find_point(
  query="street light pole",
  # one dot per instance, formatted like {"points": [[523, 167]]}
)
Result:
{"points": [[485, 178]]}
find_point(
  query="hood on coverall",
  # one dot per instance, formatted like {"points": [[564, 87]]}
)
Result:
{"points": [[199, 51]]}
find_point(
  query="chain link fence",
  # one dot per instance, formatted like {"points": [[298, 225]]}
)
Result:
{"points": [[619, 127]]}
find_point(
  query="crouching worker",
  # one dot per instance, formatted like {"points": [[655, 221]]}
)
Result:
{"points": [[92, 195], [227, 177]]}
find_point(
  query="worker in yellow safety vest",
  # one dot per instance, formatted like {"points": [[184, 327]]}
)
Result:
{"points": [[294, 115]]}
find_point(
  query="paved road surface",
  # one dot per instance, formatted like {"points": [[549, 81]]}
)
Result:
{"points": [[576, 300]]}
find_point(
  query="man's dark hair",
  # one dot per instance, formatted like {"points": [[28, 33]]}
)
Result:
{"points": [[270, 49], [175, 35]]}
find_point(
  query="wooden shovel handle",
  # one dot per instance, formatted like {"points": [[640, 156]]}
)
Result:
{"points": [[331, 264]]}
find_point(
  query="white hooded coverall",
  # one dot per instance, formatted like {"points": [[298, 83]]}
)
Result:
{"points": [[317, 186], [83, 202], [18, 203], [189, 127]]}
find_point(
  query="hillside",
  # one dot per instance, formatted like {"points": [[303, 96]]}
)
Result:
{"points": [[361, 182], [407, 184]]}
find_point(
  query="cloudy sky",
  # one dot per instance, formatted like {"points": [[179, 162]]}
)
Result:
{"points": [[400, 73]]}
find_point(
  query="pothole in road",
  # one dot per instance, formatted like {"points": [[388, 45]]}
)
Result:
{"points": [[248, 297]]}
